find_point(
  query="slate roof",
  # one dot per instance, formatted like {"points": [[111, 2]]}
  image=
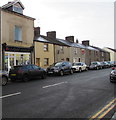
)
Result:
{"points": [[13, 3], [99, 49], [71, 44], [41, 39], [91, 48], [112, 49], [46, 39]]}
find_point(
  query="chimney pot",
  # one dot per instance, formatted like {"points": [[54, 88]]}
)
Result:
{"points": [[37, 31], [77, 41], [70, 39], [85, 42], [51, 34]]}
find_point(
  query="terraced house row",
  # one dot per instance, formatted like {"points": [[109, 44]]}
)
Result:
{"points": [[22, 43]]}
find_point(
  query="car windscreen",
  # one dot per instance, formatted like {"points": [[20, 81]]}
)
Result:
{"points": [[76, 64], [17, 67], [94, 63], [58, 64]]}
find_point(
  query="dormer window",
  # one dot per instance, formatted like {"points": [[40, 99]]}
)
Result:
{"points": [[17, 9], [15, 6]]}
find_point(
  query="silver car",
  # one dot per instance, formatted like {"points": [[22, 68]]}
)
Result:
{"points": [[3, 77]]}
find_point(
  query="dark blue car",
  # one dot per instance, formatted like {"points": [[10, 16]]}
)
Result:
{"points": [[60, 68]]}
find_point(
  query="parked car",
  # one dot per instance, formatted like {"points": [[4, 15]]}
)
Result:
{"points": [[4, 77], [60, 68], [104, 64], [113, 63], [109, 63], [95, 65], [79, 66], [113, 75], [26, 72]]}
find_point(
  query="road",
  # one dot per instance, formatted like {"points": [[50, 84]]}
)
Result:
{"points": [[80, 95]]}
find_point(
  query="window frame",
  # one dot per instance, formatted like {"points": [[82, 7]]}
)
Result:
{"points": [[18, 33], [46, 61], [46, 47]]}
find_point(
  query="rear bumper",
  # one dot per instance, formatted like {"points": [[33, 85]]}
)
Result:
{"points": [[16, 77]]}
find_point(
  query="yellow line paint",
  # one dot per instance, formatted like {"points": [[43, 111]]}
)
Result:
{"points": [[101, 116], [98, 113]]}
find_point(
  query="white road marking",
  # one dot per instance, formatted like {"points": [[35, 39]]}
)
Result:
{"points": [[10, 95], [54, 84]]}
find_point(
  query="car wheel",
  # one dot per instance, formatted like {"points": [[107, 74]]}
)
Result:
{"points": [[80, 70], [61, 73], [71, 71], [97, 68], [4, 80], [43, 76], [25, 78]]}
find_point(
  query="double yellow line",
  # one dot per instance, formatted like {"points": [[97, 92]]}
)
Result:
{"points": [[99, 115]]}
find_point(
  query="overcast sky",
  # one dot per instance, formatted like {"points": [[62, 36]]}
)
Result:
{"points": [[85, 19]]}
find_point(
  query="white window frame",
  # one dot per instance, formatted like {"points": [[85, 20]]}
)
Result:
{"points": [[18, 35]]}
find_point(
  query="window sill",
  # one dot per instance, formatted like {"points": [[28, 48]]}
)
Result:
{"points": [[46, 51], [18, 41], [46, 65]]}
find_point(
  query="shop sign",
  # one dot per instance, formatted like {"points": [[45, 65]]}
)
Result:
{"points": [[18, 49], [83, 51]]}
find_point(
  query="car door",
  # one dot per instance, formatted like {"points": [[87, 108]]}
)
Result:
{"points": [[66, 66], [30, 71], [37, 71]]}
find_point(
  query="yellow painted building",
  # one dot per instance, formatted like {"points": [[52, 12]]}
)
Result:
{"points": [[44, 52], [112, 53], [16, 36]]}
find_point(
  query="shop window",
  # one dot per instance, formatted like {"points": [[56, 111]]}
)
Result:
{"points": [[45, 47], [18, 33], [46, 61]]}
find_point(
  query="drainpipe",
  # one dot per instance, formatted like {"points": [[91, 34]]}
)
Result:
{"points": [[34, 51], [54, 53]]}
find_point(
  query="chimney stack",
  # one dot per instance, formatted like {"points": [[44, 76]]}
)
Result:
{"points": [[77, 41], [85, 42], [70, 39], [51, 34], [37, 31]]}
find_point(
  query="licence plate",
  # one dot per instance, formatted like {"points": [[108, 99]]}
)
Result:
{"points": [[50, 72], [13, 74]]}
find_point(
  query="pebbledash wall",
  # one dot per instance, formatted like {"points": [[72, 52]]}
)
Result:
{"points": [[16, 52]]}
